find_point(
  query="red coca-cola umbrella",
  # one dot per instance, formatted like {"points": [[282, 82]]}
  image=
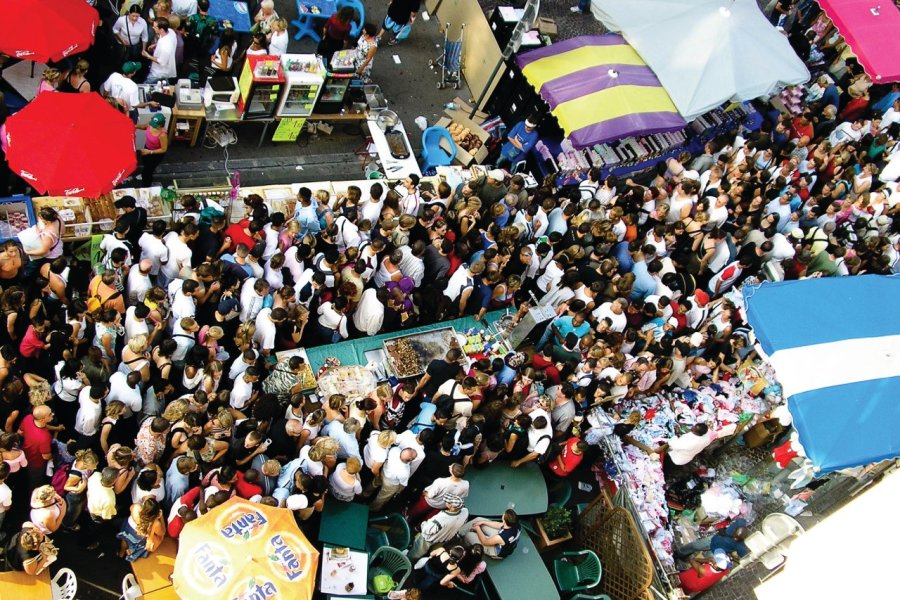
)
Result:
{"points": [[42, 30], [71, 145]]}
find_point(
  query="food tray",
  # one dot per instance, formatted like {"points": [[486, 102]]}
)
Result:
{"points": [[307, 378], [427, 346], [15, 216], [352, 381], [396, 142]]}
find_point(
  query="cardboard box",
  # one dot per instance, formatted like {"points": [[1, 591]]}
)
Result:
{"points": [[463, 156], [547, 26], [466, 109]]}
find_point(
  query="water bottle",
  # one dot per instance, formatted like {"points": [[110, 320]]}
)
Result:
{"points": [[451, 106]]}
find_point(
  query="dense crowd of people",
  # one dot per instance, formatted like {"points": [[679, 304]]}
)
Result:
{"points": [[142, 390]]}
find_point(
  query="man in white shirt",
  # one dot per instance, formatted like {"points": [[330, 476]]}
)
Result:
{"points": [[90, 411], [153, 248], [540, 436], [271, 231], [412, 265], [127, 390], [371, 208], [121, 87], [184, 8], [163, 65], [253, 294], [242, 363], [682, 449], [369, 314], [179, 263], [136, 321], [242, 394], [267, 322], [333, 320], [615, 312], [394, 475], [347, 234], [183, 303], [139, 282], [184, 333]]}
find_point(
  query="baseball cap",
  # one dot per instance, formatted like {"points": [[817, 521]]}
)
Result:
{"points": [[132, 66], [296, 502], [158, 120], [796, 233], [721, 559], [672, 322]]}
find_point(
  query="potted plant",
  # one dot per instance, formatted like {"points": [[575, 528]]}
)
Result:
{"points": [[554, 527]]}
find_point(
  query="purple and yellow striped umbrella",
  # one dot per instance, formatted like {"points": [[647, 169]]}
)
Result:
{"points": [[600, 90]]}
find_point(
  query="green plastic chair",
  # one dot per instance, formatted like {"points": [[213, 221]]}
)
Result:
{"points": [[388, 561], [559, 493], [475, 589], [390, 530], [577, 570], [587, 597]]}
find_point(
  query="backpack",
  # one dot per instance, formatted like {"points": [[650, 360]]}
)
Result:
{"points": [[548, 454], [207, 213], [60, 477]]}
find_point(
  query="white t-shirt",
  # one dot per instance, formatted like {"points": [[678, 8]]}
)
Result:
{"points": [[164, 53], [684, 448], [135, 33], [134, 327], [265, 330], [5, 497], [241, 391], [251, 302], [278, 45], [369, 314], [138, 286], [179, 256], [619, 322], [154, 250], [90, 413], [123, 89], [130, 397], [539, 439], [371, 210]]}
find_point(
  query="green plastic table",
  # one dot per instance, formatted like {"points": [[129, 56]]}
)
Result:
{"points": [[494, 488], [344, 524], [522, 574]]}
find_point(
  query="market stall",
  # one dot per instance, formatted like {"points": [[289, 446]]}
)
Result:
{"points": [[870, 30]]}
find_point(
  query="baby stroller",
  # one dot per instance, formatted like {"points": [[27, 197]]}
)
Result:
{"points": [[450, 59]]}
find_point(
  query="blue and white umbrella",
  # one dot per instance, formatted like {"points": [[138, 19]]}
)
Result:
{"points": [[835, 346]]}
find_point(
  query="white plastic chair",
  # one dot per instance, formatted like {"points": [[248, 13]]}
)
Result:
{"points": [[779, 527], [131, 589], [64, 585]]}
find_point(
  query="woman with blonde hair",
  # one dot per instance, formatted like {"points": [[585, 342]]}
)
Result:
{"points": [[345, 483], [243, 339], [143, 531], [220, 426], [278, 37], [48, 509], [209, 337], [212, 377], [30, 551], [135, 357], [76, 81], [49, 81], [113, 431]]}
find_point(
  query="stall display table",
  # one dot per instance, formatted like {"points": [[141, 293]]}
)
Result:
{"points": [[230, 10], [186, 124], [523, 574], [18, 584], [232, 117], [154, 572], [493, 490], [344, 524], [393, 168], [310, 14], [337, 573]]}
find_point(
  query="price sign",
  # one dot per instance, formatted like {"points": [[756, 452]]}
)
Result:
{"points": [[288, 129]]}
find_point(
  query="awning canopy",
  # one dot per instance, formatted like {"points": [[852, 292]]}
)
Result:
{"points": [[835, 346], [599, 90], [871, 30], [706, 52]]}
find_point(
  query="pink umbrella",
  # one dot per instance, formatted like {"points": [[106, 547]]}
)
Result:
{"points": [[872, 29], [42, 30]]}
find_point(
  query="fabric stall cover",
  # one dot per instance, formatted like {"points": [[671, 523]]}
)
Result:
{"points": [[870, 29], [706, 52], [835, 347], [599, 90]]}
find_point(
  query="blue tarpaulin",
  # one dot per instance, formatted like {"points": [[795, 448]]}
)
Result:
{"points": [[835, 347]]}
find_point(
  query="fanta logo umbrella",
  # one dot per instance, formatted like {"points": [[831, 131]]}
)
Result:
{"points": [[241, 550], [43, 30], [71, 145]]}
